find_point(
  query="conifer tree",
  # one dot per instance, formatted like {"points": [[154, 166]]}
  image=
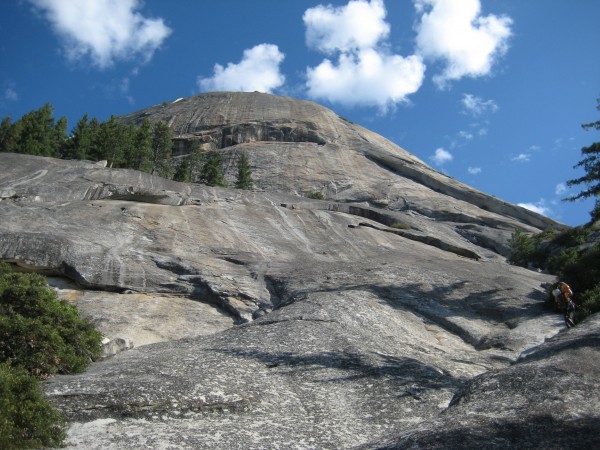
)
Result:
{"points": [[39, 134], [591, 164], [110, 147], [79, 144], [212, 171], [183, 173], [162, 144], [9, 135], [196, 159], [244, 177], [141, 156]]}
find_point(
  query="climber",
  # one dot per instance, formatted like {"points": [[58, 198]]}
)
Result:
{"points": [[563, 298]]}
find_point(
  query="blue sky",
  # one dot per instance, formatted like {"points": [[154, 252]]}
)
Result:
{"points": [[490, 92]]}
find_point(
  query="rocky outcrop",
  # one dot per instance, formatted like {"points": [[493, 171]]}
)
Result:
{"points": [[548, 399], [384, 316], [299, 146]]}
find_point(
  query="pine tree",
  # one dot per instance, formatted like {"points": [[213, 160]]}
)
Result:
{"points": [[244, 178], [141, 157], [79, 144], [196, 159], [212, 171], [591, 164], [60, 136], [9, 135], [162, 144], [39, 134], [183, 172], [126, 136], [110, 147], [94, 151]]}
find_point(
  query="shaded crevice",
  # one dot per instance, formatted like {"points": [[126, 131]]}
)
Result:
{"points": [[291, 319], [277, 291], [229, 135], [66, 271], [71, 273]]}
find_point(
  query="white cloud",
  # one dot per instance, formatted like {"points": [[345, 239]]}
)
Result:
{"points": [[456, 33], [441, 157], [367, 78], [539, 207], [107, 30], [361, 70], [474, 170], [358, 25], [522, 157], [257, 71], [561, 188], [477, 106]]}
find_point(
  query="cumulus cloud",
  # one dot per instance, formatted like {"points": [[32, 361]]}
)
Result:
{"points": [[106, 30], [366, 78], [358, 25], [477, 106], [474, 170], [441, 157], [456, 33], [257, 71], [539, 207], [361, 70]]}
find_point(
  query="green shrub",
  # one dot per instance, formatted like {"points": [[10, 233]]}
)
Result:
{"points": [[27, 419], [566, 258], [40, 333], [315, 195], [575, 264], [589, 302], [522, 248], [401, 226], [573, 237], [584, 271]]}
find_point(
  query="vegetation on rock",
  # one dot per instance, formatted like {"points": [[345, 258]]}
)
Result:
{"points": [[315, 195], [27, 419], [573, 256], [244, 176], [146, 147], [39, 337], [39, 332], [212, 171]]}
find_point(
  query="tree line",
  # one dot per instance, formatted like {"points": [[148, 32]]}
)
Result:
{"points": [[146, 147]]}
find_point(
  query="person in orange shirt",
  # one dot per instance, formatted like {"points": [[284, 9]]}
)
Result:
{"points": [[562, 296]]}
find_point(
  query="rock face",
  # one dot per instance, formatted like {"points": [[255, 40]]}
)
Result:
{"points": [[384, 316]]}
